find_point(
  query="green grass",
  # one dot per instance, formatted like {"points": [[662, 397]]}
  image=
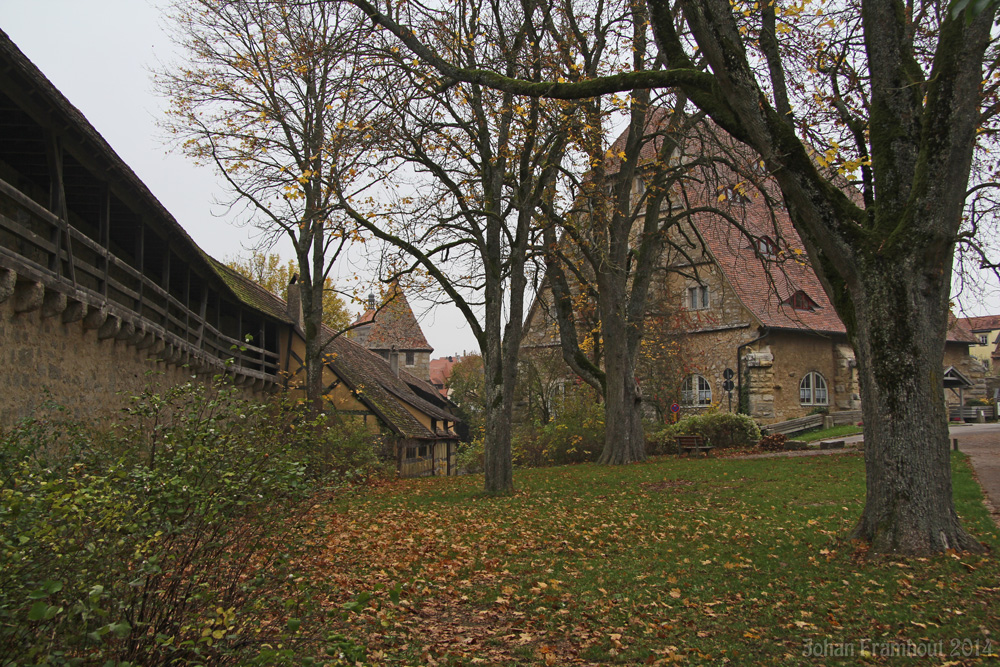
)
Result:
{"points": [[703, 561], [828, 433]]}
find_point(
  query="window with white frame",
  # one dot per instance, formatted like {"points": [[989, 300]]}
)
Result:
{"points": [[695, 390], [984, 339], [697, 297], [812, 390]]}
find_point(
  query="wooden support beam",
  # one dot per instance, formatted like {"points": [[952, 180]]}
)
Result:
{"points": [[140, 261], [8, 281], [57, 204], [28, 296], [104, 223], [202, 309]]}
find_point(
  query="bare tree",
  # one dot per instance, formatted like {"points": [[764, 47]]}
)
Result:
{"points": [[902, 84], [260, 96], [461, 173]]}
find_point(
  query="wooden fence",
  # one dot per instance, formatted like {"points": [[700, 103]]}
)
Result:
{"points": [[812, 422]]}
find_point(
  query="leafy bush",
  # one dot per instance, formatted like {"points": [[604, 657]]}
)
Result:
{"points": [[470, 456], [169, 539], [773, 443], [575, 435], [721, 429], [978, 401]]}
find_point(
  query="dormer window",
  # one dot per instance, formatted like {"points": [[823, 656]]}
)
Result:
{"points": [[801, 301], [765, 247], [734, 194]]}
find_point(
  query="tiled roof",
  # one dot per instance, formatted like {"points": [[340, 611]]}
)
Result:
{"points": [[983, 323], [367, 374], [765, 285], [394, 325], [372, 380], [440, 371], [251, 293]]}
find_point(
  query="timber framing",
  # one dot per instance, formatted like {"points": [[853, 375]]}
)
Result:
{"points": [[83, 239]]}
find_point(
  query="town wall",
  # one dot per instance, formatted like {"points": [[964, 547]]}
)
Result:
{"points": [[45, 360]]}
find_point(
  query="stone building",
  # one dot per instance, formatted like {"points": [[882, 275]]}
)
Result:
{"points": [[392, 327], [743, 301], [103, 294]]}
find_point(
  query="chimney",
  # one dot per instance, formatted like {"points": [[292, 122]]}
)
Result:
{"points": [[394, 361], [294, 303], [371, 301]]}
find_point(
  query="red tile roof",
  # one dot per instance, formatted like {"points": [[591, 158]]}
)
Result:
{"points": [[393, 325], [983, 323], [441, 370]]}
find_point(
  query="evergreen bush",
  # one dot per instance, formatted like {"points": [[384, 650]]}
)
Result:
{"points": [[720, 429]]}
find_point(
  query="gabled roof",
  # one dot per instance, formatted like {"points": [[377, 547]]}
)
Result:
{"points": [[365, 373], [981, 324], [392, 326], [765, 285], [371, 379]]}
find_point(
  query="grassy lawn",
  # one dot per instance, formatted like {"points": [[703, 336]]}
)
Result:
{"points": [[703, 561], [828, 433]]}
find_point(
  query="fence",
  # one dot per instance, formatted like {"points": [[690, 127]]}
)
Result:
{"points": [[812, 422]]}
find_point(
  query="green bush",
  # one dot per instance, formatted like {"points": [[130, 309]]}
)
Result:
{"points": [[721, 429], [169, 539], [575, 435], [978, 401], [470, 456]]}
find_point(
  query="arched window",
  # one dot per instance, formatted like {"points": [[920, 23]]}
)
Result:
{"points": [[812, 390], [696, 390]]}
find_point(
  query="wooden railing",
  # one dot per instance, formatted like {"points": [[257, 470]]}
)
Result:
{"points": [[971, 412], [87, 271], [811, 422]]}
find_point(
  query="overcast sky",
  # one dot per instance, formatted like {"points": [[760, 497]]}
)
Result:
{"points": [[99, 54]]}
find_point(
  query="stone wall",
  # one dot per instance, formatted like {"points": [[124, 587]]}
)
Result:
{"points": [[92, 377], [780, 362]]}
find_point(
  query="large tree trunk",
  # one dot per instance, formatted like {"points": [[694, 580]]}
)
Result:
{"points": [[497, 463], [899, 341], [624, 441]]}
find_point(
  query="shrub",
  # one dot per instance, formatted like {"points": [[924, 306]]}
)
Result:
{"points": [[169, 539], [575, 435], [721, 429], [978, 401], [773, 443], [470, 456]]}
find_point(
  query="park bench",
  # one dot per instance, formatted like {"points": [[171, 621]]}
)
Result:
{"points": [[688, 444]]}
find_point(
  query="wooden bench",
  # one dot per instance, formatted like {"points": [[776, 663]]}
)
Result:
{"points": [[689, 444]]}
